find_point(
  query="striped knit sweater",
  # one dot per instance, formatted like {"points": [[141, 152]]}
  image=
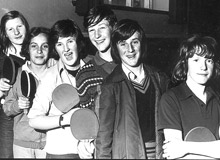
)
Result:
{"points": [[87, 80]]}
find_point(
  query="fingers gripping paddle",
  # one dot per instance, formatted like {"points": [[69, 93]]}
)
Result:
{"points": [[84, 124], [65, 97], [199, 134], [9, 70], [28, 86]]}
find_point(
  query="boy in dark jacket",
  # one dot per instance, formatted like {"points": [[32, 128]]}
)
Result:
{"points": [[129, 98]]}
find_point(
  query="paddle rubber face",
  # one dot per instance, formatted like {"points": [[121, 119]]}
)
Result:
{"points": [[9, 70], [28, 84], [65, 97], [33, 86], [200, 134], [84, 124]]}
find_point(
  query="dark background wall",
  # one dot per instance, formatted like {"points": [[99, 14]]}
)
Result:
{"points": [[46, 12], [164, 31]]}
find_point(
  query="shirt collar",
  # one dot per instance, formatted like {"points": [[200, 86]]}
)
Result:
{"points": [[61, 66], [132, 76], [99, 61], [11, 51], [26, 68], [186, 91]]}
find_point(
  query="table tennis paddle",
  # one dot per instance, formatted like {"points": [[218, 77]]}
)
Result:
{"points": [[28, 86], [9, 69], [65, 97], [84, 124], [198, 134]]}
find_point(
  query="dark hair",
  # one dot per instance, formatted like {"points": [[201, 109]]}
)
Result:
{"points": [[203, 46], [123, 30], [35, 31], [97, 14], [4, 40], [66, 28]]}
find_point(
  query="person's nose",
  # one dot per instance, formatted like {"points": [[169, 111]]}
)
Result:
{"points": [[203, 65], [39, 50], [130, 48], [97, 33], [66, 47], [16, 31]]}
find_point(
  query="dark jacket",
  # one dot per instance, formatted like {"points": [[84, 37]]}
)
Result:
{"points": [[120, 136]]}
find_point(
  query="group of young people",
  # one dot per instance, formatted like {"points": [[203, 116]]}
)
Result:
{"points": [[140, 115]]}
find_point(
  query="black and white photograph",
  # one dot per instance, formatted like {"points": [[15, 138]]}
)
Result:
{"points": [[109, 79]]}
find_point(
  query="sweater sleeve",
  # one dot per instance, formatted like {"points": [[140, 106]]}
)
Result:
{"points": [[10, 105], [87, 80]]}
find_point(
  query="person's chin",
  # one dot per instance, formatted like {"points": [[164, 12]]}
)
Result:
{"points": [[103, 49], [20, 42]]}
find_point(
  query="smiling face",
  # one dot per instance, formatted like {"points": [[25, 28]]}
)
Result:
{"points": [[66, 47], [130, 50], [15, 31], [200, 69], [100, 35], [39, 49]]}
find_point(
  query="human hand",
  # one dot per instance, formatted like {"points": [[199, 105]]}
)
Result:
{"points": [[51, 62], [86, 148], [173, 149], [24, 103], [67, 116], [4, 86]]}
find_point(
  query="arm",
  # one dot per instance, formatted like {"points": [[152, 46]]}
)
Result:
{"points": [[43, 114], [107, 112], [44, 122], [170, 122], [175, 147], [169, 117], [4, 86], [13, 106], [10, 105]]}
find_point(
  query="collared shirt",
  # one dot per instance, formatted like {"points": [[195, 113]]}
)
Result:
{"points": [[59, 140], [107, 66], [181, 109], [26, 68], [134, 76]]}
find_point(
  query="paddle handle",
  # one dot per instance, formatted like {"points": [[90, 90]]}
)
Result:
{"points": [[25, 111]]}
